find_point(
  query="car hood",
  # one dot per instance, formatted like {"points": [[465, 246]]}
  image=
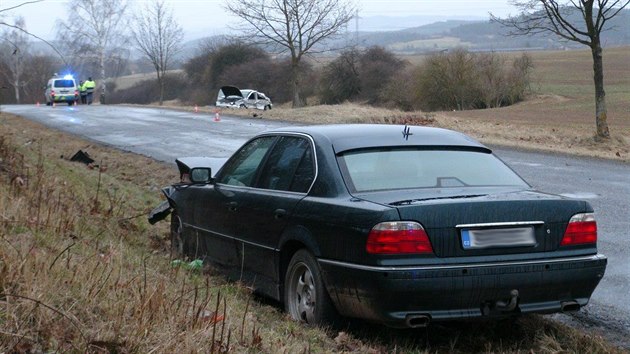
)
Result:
{"points": [[226, 91]]}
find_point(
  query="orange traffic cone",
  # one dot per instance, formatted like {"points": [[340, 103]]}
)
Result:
{"points": [[37, 103], [217, 117], [196, 109]]}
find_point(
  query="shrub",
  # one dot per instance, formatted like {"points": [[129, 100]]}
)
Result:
{"points": [[463, 80], [358, 75], [340, 79], [399, 93], [377, 67]]}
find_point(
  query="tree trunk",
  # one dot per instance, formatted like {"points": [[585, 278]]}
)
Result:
{"points": [[102, 83], [601, 119], [295, 78], [16, 87], [161, 83]]}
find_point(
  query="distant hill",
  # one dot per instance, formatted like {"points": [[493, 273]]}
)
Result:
{"points": [[482, 36], [422, 34]]}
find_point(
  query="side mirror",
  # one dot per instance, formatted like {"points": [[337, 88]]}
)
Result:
{"points": [[201, 175]]}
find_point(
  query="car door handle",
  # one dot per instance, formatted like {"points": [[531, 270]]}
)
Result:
{"points": [[232, 206], [279, 214]]}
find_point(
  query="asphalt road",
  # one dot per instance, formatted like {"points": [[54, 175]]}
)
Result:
{"points": [[165, 134]]}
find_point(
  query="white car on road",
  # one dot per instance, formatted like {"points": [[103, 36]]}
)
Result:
{"points": [[233, 97]]}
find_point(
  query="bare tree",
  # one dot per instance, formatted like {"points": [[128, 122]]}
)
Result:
{"points": [[16, 56], [158, 37], [293, 26], [94, 31], [580, 21], [3, 12]]}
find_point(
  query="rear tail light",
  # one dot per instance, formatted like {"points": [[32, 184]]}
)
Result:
{"points": [[398, 237], [582, 229]]}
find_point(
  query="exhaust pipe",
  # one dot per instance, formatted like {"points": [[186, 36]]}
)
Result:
{"points": [[570, 306], [417, 321]]}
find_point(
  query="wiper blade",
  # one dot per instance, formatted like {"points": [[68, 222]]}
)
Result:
{"points": [[411, 201]]}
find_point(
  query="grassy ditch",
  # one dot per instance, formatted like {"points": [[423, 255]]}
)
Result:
{"points": [[81, 271]]}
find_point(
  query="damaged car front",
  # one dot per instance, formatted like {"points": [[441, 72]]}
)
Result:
{"points": [[190, 168], [230, 97]]}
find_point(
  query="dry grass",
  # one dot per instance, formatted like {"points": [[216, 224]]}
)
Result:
{"points": [[82, 271]]}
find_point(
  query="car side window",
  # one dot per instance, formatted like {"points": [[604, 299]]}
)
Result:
{"points": [[241, 169], [289, 166]]}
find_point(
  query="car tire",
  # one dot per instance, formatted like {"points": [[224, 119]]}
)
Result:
{"points": [[305, 296], [177, 242], [267, 107]]}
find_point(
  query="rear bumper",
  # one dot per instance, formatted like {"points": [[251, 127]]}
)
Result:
{"points": [[65, 98], [391, 294]]}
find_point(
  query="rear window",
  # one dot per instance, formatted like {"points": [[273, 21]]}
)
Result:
{"points": [[64, 83], [388, 169]]}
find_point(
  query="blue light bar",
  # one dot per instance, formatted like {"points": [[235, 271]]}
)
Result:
{"points": [[68, 77]]}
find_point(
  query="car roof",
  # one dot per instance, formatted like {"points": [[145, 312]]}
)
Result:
{"points": [[346, 137]]}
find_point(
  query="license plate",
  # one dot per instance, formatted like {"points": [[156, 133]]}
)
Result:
{"points": [[495, 238]]}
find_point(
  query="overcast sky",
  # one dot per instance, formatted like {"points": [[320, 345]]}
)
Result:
{"points": [[199, 17]]}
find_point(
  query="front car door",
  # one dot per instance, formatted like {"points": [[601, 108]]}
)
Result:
{"points": [[263, 212], [215, 205]]}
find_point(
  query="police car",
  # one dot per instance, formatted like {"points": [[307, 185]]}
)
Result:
{"points": [[61, 89]]}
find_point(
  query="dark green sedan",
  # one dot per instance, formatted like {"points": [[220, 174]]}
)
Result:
{"points": [[401, 225]]}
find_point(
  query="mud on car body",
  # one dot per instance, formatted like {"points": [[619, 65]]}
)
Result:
{"points": [[392, 224]]}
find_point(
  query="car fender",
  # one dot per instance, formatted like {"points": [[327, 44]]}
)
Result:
{"points": [[161, 211], [302, 235]]}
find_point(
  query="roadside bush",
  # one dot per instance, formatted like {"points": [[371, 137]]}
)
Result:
{"points": [[377, 67], [399, 91], [226, 63], [357, 75], [340, 79], [267, 76], [448, 81], [464, 80], [148, 91], [231, 55], [518, 78]]}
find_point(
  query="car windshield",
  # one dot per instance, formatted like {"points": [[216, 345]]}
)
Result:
{"points": [[388, 169], [64, 83]]}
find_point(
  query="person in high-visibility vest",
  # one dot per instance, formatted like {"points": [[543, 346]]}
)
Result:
{"points": [[89, 87], [83, 93]]}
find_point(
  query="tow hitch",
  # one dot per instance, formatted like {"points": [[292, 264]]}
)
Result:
{"points": [[501, 306]]}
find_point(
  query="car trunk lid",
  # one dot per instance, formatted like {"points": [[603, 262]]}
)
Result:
{"points": [[487, 222]]}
